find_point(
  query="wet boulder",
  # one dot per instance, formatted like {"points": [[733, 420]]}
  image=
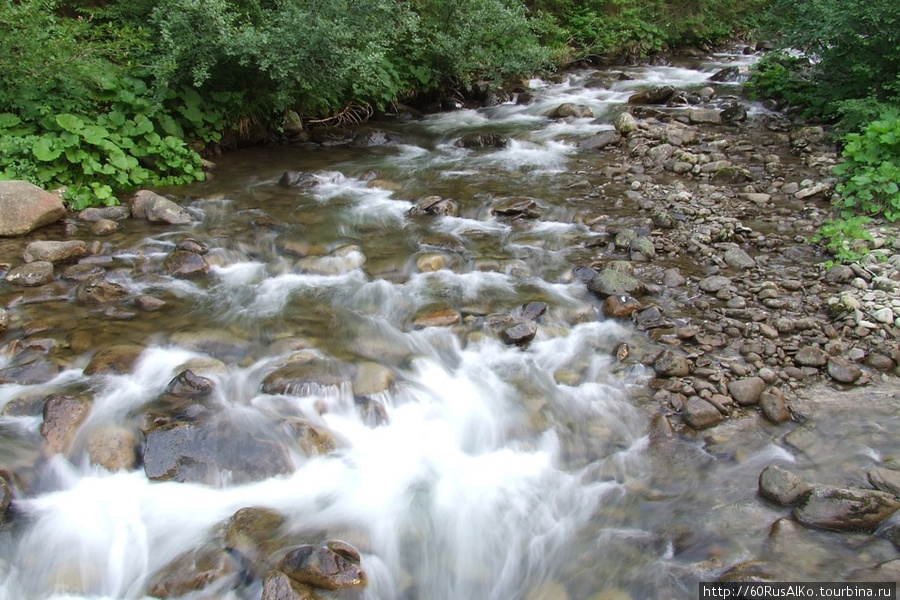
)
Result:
{"points": [[780, 485], [202, 451], [113, 447], [54, 252], [63, 415], [192, 571], [704, 116], [610, 282], [278, 586], [341, 261], [297, 180], [774, 407], [253, 532], [534, 310], [844, 509], [32, 274], [192, 245], [327, 135], [29, 370], [526, 208], [483, 140], [157, 209], [670, 364], [5, 498], [188, 384], [25, 207], [600, 140], [94, 214], [738, 259], [322, 567], [435, 205], [372, 378], [104, 227], [100, 291], [811, 356], [219, 344], [734, 113], [117, 359], [842, 370], [304, 376], [571, 110], [517, 333], [185, 265], [620, 307], [727, 74], [656, 95]]}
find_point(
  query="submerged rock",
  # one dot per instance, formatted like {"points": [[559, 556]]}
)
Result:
{"points": [[517, 207], [517, 333], [100, 291], [185, 265], [62, 417], [844, 509], [192, 571], [113, 447], [253, 532], [5, 498], [435, 205], [657, 95], [278, 586], [33, 274], [54, 252], [116, 359], [483, 140], [569, 109]]}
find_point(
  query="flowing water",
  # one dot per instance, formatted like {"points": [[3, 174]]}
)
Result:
{"points": [[476, 470]]}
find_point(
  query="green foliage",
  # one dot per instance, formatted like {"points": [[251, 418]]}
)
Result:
{"points": [[786, 78], [94, 157], [871, 170], [846, 238], [854, 52]]}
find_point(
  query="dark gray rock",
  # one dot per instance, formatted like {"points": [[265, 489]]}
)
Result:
{"points": [[738, 259], [844, 509], [727, 74], [657, 95], [600, 140], [297, 180], [534, 310], [203, 451], [435, 205], [105, 213], [714, 284], [517, 333], [188, 384], [300, 377], [6, 495], [157, 209], [483, 140], [746, 392], [781, 486], [29, 371]]}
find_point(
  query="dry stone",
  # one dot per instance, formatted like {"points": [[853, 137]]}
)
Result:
{"points": [[24, 207]]}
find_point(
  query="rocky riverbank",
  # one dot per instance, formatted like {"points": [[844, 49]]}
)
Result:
{"points": [[694, 214]]}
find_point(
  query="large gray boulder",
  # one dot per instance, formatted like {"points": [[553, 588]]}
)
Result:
{"points": [[54, 251], [156, 209], [24, 207]]}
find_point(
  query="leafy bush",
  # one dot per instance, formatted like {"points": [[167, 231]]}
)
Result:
{"points": [[871, 170], [845, 238]]}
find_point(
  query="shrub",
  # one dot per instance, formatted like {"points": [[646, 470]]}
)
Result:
{"points": [[871, 170]]}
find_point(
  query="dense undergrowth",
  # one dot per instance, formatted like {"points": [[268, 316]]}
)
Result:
{"points": [[840, 63], [107, 95]]}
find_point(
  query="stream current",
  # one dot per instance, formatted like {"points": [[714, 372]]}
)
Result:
{"points": [[464, 468]]}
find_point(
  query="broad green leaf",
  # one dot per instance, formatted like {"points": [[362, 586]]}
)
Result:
{"points": [[171, 126], [94, 134], [8, 120], [45, 149], [70, 123]]}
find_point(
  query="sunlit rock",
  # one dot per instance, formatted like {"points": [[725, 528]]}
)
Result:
{"points": [[63, 415], [321, 567]]}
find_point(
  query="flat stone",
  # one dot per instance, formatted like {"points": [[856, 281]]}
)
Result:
{"points": [[94, 214], [54, 252], [157, 209], [100, 291], [620, 307], [781, 486], [186, 265], [33, 274], [193, 571], [278, 586], [569, 109], [104, 227], [746, 392], [113, 448], [844, 509], [117, 359], [440, 318], [518, 333]]}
